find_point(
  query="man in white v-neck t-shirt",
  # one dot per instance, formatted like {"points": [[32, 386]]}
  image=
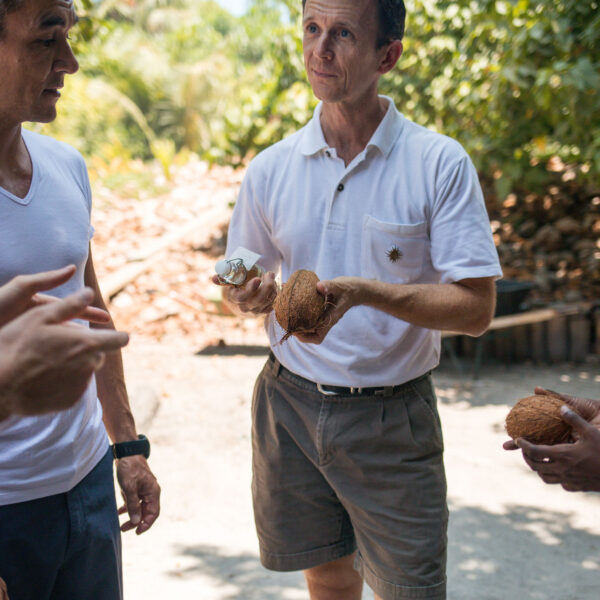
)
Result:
{"points": [[59, 528], [348, 475]]}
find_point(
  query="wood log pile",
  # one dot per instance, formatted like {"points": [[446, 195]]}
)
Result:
{"points": [[552, 239]]}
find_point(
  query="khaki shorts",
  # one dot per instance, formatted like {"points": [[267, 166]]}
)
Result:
{"points": [[332, 474]]}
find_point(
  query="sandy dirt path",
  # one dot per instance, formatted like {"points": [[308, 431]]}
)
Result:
{"points": [[511, 536]]}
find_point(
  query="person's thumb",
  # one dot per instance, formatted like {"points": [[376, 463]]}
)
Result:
{"points": [[582, 406], [580, 425]]}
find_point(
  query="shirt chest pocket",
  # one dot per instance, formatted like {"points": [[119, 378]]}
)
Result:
{"points": [[391, 252]]}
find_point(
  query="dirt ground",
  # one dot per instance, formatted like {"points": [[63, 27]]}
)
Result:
{"points": [[511, 536]]}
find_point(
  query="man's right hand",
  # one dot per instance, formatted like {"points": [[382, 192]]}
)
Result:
{"points": [[23, 292], [46, 361], [254, 298]]}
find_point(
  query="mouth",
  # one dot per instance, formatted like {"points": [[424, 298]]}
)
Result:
{"points": [[322, 75], [52, 91]]}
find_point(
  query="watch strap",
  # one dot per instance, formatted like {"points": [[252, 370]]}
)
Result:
{"points": [[132, 447]]}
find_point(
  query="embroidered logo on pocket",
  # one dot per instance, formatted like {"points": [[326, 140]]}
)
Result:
{"points": [[394, 254]]}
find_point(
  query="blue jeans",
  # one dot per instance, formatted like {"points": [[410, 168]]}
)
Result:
{"points": [[67, 546]]}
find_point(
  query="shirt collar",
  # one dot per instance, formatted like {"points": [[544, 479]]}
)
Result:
{"points": [[383, 139]]}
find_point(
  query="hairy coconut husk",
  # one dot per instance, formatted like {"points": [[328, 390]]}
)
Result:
{"points": [[537, 419], [298, 306]]}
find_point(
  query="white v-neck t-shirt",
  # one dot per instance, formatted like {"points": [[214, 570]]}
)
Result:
{"points": [[48, 229], [412, 192]]}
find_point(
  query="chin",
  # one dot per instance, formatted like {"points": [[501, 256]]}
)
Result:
{"points": [[46, 116]]}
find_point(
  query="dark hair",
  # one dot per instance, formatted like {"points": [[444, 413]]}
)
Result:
{"points": [[7, 6], [392, 16]]}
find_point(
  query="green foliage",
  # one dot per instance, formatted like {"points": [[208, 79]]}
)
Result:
{"points": [[515, 81]]}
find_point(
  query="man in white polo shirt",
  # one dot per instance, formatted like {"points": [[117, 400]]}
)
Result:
{"points": [[348, 475]]}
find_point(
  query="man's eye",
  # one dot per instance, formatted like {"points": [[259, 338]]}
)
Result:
{"points": [[311, 28], [345, 33], [48, 43]]}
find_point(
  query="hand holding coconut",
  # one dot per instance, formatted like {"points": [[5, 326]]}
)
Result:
{"points": [[571, 458], [308, 308], [253, 298]]}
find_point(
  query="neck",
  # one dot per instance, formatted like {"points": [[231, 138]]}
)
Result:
{"points": [[15, 164], [349, 127]]}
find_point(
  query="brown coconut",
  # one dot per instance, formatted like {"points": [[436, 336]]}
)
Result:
{"points": [[298, 306], [537, 419]]}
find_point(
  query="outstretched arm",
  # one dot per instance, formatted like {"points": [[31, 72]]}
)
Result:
{"points": [[466, 306], [575, 466]]}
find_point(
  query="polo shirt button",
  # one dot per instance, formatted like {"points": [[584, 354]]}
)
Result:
{"points": [[340, 187], [328, 153]]}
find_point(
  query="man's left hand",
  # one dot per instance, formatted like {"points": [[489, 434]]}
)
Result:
{"points": [[341, 294], [140, 491]]}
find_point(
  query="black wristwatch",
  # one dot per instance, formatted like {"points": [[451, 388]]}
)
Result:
{"points": [[132, 447]]}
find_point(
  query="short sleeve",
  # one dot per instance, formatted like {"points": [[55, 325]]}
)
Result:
{"points": [[462, 245], [250, 227]]}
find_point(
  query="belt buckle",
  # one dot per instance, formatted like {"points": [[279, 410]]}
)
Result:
{"points": [[326, 392]]}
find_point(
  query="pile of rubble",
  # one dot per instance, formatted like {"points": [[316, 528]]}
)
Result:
{"points": [[552, 239]]}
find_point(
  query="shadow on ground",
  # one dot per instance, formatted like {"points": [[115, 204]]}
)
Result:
{"points": [[527, 553], [221, 349], [242, 573]]}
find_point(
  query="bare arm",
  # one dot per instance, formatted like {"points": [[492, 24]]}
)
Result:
{"points": [[465, 307], [110, 379], [139, 487]]}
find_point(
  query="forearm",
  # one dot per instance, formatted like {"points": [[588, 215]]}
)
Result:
{"points": [[112, 393], [446, 307], [110, 378]]}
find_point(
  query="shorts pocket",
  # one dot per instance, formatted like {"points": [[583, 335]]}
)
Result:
{"points": [[393, 252]]}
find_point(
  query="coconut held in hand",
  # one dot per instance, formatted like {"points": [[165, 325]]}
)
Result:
{"points": [[537, 419], [298, 306]]}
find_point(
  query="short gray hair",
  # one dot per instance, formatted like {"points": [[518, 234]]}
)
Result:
{"points": [[7, 6]]}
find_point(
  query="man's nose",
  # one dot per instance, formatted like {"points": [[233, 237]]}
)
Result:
{"points": [[323, 46], [66, 61]]}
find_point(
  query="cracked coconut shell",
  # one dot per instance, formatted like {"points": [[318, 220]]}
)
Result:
{"points": [[537, 419], [298, 306]]}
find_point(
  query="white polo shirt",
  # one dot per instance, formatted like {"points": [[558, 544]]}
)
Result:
{"points": [[410, 190]]}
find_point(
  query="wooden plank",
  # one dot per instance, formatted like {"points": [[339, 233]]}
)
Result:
{"points": [[112, 284], [528, 318]]}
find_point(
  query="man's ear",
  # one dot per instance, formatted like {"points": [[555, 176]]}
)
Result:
{"points": [[391, 56]]}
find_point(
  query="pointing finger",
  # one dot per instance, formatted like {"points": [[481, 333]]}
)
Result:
{"points": [[47, 280]]}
